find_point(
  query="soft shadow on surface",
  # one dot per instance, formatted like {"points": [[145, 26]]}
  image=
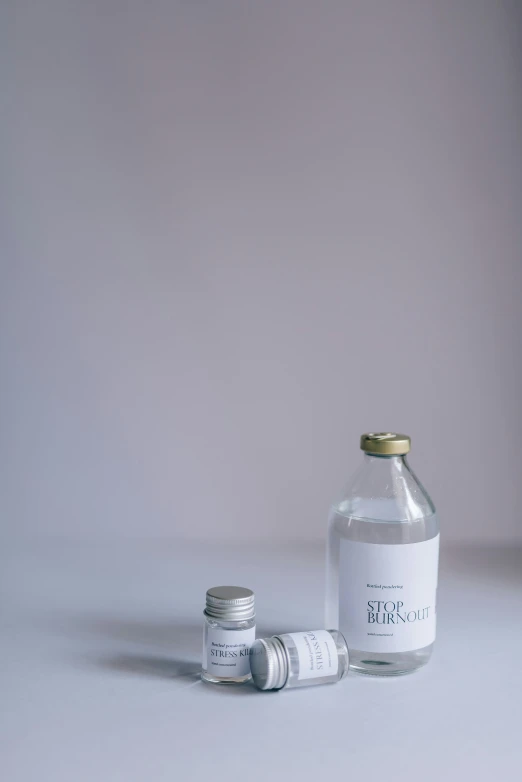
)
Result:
{"points": [[150, 648], [150, 666], [173, 647], [224, 690], [185, 673]]}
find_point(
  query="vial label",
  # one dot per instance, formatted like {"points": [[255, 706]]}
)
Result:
{"points": [[388, 595], [317, 654], [226, 653]]}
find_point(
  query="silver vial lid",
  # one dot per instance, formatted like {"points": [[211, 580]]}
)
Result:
{"points": [[230, 604], [269, 663]]}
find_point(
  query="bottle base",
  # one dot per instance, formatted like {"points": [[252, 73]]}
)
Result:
{"points": [[207, 677], [396, 664]]}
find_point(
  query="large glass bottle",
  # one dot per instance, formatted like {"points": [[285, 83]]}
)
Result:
{"points": [[382, 562]]}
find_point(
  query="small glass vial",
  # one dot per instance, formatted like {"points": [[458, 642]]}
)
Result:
{"points": [[299, 659], [229, 632]]}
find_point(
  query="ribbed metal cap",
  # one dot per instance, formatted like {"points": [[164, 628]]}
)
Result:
{"points": [[230, 603], [385, 443], [269, 663]]}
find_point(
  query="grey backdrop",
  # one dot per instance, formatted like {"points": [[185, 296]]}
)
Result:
{"points": [[240, 234]]}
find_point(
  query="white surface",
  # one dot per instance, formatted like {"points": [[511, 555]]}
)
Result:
{"points": [[100, 651]]}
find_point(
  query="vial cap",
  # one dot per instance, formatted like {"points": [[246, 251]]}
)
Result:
{"points": [[230, 603], [269, 663], [385, 443]]}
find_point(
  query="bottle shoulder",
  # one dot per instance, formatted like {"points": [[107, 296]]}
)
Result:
{"points": [[385, 490]]}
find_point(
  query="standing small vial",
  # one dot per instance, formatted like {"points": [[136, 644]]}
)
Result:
{"points": [[299, 659], [229, 632]]}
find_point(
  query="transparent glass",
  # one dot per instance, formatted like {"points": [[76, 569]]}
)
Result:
{"points": [[293, 679], [384, 503], [232, 629]]}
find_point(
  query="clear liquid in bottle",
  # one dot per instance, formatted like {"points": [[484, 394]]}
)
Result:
{"points": [[382, 563]]}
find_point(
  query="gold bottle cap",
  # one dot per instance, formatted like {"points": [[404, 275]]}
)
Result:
{"points": [[385, 443]]}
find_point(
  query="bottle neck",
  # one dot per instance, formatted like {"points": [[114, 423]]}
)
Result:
{"points": [[384, 461]]}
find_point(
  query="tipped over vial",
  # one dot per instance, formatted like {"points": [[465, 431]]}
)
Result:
{"points": [[299, 659]]}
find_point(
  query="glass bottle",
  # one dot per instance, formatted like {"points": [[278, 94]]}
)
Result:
{"points": [[228, 634], [382, 562], [299, 659]]}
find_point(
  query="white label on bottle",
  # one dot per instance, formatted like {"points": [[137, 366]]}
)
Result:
{"points": [[388, 595], [227, 652], [317, 654]]}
